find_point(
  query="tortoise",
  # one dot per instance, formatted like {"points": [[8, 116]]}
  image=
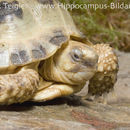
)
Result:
{"points": [[44, 56]]}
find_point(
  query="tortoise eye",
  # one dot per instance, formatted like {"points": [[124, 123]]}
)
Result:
{"points": [[76, 55]]}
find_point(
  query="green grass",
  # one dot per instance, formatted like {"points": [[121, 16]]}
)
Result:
{"points": [[103, 25]]}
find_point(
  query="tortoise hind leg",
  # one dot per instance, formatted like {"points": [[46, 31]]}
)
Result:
{"points": [[103, 81]]}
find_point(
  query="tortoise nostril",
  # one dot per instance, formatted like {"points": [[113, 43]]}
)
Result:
{"points": [[89, 63]]}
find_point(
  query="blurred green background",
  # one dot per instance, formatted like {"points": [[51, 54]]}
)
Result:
{"points": [[110, 26]]}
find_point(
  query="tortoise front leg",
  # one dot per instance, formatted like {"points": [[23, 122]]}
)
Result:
{"points": [[104, 80], [100, 85], [19, 87], [55, 91]]}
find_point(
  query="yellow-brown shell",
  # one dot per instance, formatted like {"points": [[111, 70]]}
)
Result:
{"points": [[33, 31]]}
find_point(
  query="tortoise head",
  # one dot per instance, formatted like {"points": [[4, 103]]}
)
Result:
{"points": [[74, 63]]}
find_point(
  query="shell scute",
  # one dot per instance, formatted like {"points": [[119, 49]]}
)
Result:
{"points": [[38, 52], [15, 58], [58, 38], [23, 56], [19, 57], [45, 1], [6, 8]]}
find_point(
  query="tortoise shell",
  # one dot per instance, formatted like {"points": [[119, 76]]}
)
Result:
{"points": [[32, 30]]}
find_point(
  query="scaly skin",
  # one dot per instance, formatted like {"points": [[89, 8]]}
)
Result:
{"points": [[19, 87]]}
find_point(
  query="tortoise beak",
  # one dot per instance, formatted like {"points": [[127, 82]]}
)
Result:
{"points": [[91, 62], [90, 57]]}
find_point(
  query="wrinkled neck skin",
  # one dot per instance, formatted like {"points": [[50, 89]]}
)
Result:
{"points": [[63, 69]]}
